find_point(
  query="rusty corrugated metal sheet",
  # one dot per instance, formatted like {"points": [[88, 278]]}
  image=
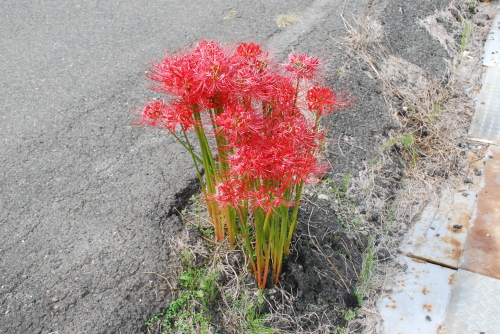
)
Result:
{"points": [[482, 249], [440, 233]]}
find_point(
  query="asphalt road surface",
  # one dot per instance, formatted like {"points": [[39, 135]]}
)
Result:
{"points": [[86, 199]]}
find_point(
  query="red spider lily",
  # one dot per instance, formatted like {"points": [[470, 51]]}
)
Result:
{"points": [[253, 82], [179, 115], [177, 76], [251, 51], [302, 66], [239, 125], [153, 114], [323, 100], [231, 192], [196, 76], [257, 145], [283, 97]]}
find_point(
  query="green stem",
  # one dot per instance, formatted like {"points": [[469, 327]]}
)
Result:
{"points": [[246, 238], [282, 237], [230, 215], [189, 147], [295, 213], [262, 245], [211, 176], [190, 150]]}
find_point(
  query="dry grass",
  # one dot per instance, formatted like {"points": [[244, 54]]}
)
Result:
{"points": [[436, 117], [284, 20]]}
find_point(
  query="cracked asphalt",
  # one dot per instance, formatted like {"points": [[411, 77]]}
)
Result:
{"points": [[87, 200]]}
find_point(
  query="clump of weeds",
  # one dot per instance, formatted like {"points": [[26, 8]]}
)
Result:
{"points": [[213, 292], [189, 312]]}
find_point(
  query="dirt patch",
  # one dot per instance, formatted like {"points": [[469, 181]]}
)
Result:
{"points": [[323, 271]]}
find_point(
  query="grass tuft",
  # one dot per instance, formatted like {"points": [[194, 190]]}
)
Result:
{"points": [[285, 20]]}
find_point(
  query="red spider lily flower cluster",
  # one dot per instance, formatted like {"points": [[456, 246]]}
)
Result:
{"points": [[302, 66], [259, 145]]}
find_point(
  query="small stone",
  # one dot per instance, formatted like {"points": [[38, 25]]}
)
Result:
{"points": [[324, 197], [383, 254], [372, 217], [456, 14], [436, 172]]}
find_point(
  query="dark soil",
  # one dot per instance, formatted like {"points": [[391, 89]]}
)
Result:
{"points": [[323, 270]]}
